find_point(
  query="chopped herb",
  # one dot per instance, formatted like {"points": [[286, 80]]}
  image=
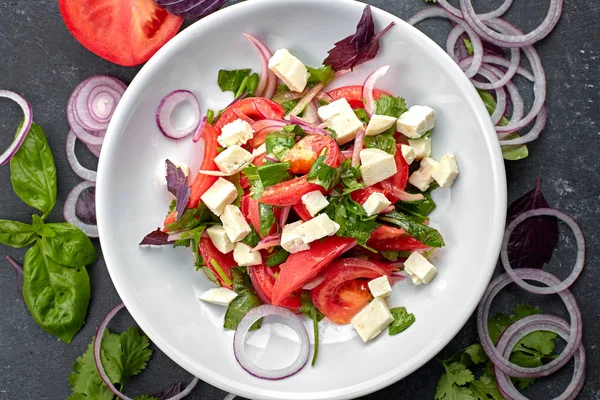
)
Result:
{"points": [[279, 143], [421, 208], [309, 309], [390, 255], [384, 141], [322, 75], [322, 174], [246, 300], [391, 106], [295, 129], [423, 233], [192, 218], [402, 320], [220, 271], [252, 238], [468, 46], [264, 176], [289, 105], [352, 218], [238, 81], [362, 115], [267, 218], [277, 258], [350, 177], [210, 115]]}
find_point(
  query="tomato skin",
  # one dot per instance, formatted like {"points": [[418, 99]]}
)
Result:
{"points": [[396, 183], [304, 154], [171, 218], [125, 32], [387, 232], [249, 208], [401, 243], [360, 196], [344, 290], [301, 267], [203, 182], [289, 192], [354, 95], [263, 281], [208, 251], [254, 108], [302, 211]]}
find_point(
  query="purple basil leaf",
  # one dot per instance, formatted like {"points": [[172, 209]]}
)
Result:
{"points": [[532, 243], [193, 9], [156, 238], [358, 48], [19, 273], [169, 392], [85, 208], [177, 183]]}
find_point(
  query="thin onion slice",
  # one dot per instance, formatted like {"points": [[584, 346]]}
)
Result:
{"points": [[489, 15], [24, 128], [70, 214], [496, 357], [501, 61], [500, 96], [369, 85], [305, 101], [223, 174], [579, 262], [359, 143], [239, 341], [271, 85], [100, 367], [95, 101], [165, 109], [79, 169], [198, 133], [19, 273], [268, 242], [283, 217], [264, 67]]}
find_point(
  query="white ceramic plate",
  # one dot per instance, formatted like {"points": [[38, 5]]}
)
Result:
{"points": [[160, 286]]}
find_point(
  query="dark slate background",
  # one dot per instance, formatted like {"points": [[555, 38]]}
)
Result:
{"points": [[42, 61]]}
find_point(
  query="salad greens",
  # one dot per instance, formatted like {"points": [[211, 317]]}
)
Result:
{"points": [[322, 75], [352, 218], [246, 300], [309, 309], [383, 141], [415, 228], [322, 174], [238, 81], [277, 258], [402, 320], [418, 209]]}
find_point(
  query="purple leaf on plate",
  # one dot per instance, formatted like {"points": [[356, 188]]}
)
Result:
{"points": [[534, 240], [169, 392], [358, 48], [19, 273], [156, 238], [177, 183]]}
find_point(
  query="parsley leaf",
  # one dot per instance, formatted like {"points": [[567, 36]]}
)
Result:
{"points": [[423, 233], [322, 75], [383, 141], [449, 384], [289, 105], [485, 388], [238, 81], [350, 177], [322, 174], [309, 309], [277, 258], [246, 300], [402, 320], [279, 143], [352, 218], [391, 106], [362, 115]]}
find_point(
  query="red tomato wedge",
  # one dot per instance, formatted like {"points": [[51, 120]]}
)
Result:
{"points": [[387, 232], [360, 196], [391, 186], [354, 95], [209, 252], [303, 266], [344, 290], [401, 243], [302, 211], [263, 280], [304, 154], [253, 108], [125, 32], [289, 192], [203, 182]]}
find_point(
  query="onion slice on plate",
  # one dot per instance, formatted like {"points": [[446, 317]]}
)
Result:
{"points": [[100, 367], [165, 110], [369, 85], [23, 129], [239, 341], [79, 169], [265, 53], [70, 214]]}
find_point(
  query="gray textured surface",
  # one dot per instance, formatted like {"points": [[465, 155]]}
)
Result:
{"points": [[41, 60]]}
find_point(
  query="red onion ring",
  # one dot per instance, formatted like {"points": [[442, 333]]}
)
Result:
{"points": [[496, 357], [199, 130], [314, 283], [521, 328], [500, 95], [87, 137], [324, 96], [70, 214], [283, 217], [264, 67], [288, 96], [95, 100], [292, 321], [368, 86], [230, 396], [513, 40], [533, 134], [24, 128], [271, 84], [310, 113], [79, 169], [503, 62], [359, 143], [579, 262], [268, 242], [517, 101], [405, 196], [305, 101], [492, 14], [165, 109], [100, 367]]}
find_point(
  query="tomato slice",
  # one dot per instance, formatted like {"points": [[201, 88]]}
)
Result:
{"points": [[289, 192], [125, 32], [360, 196], [354, 95], [263, 280], [209, 252], [401, 243], [302, 211], [344, 290], [301, 267], [387, 232], [254, 108], [304, 154], [391, 186], [203, 182]]}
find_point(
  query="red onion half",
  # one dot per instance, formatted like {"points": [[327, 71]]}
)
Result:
{"points": [[23, 130]]}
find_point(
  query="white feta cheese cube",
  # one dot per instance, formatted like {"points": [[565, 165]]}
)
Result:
{"points": [[291, 240], [376, 203], [422, 178], [419, 269], [232, 159], [342, 119], [234, 133], [235, 224], [379, 124], [317, 228], [408, 153], [446, 172], [243, 255], [289, 69], [219, 238], [421, 147], [219, 195], [416, 121], [219, 296], [376, 166], [372, 319], [380, 287], [314, 202]]}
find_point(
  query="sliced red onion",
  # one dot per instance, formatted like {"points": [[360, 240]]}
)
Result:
{"points": [[308, 128], [314, 283], [272, 159], [484, 17], [199, 130], [79, 169], [25, 126], [95, 101], [95, 149], [310, 113], [496, 357], [283, 217], [477, 57], [512, 40], [348, 152], [264, 67], [324, 96], [500, 96], [100, 367], [268, 242], [70, 210], [398, 276], [518, 104], [19, 273], [89, 137], [579, 261], [271, 84], [239, 341], [498, 60], [165, 109], [359, 143], [405, 196], [369, 85], [288, 96], [306, 100], [521, 328], [533, 134], [223, 174], [388, 209]]}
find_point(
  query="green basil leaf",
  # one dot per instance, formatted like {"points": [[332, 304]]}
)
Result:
{"points": [[352, 218], [277, 258], [421, 208], [231, 81], [402, 320], [246, 300], [279, 143], [252, 238], [384, 141], [322, 174], [267, 218], [70, 246], [16, 234], [33, 173], [322, 75], [391, 106], [57, 297], [423, 233]]}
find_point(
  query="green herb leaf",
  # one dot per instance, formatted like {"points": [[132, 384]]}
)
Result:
{"points": [[384, 141], [350, 177], [264, 176], [238, 81], [57, 296], [322, 174], [485, 388], [126, 355], [267, 218], [289, 105], [362, 115], [309, 309], [33, 173], [277, 258], [322, 75], [252, 238], [421, 208], [192, 218], [468, 46], [476, 354], [70, 246], [391, 106], [246, 300], [448, 387], [402, 320], [16, 234], [423, 233], [85, 381], [352, 218], [279, 143]]}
